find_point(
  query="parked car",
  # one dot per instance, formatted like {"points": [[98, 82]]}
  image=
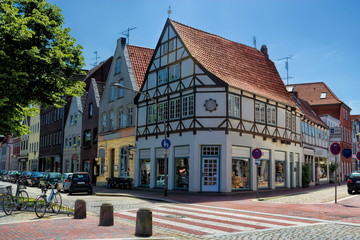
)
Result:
{"points": [[34, 179], [3, 174], [49, 178], [63, 184], [25, 175], [80, 182], [353, 182], [13, 176]]}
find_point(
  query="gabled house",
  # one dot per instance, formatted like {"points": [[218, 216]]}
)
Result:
{"points": [[215, 101], [117, 114], [34, 143], [355, 121], [324, 102], [72, 136], [315, 140], [95, 82]]}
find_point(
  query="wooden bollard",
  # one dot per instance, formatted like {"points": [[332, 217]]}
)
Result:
{"points": [[80, 209], [143, 223], [106, 214]]}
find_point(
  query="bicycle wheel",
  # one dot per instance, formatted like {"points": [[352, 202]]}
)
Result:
{"points": [[40, 206], [56, 202], [8, 204], [23, 199]]}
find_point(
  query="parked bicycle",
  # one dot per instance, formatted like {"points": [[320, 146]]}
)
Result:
{"points": [[44, 202], [19, 201]]}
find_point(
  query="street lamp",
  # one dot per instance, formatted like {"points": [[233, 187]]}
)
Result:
{"points": [[165, 133]]}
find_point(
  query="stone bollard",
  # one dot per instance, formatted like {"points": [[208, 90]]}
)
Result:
{"points": [[80, 209], [106, 214], [143, 223]]}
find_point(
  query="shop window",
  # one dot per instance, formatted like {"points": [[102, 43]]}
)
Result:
{"points": [[182, 173], [240, 174], [263, 174], [160, 173], [280, 173], [145, 172]]}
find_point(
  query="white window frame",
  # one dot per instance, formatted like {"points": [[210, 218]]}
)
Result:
{"points": [[174, 72], [188, 106], [174, 109], [270, 114], [163, 76], [163, 111], [130, 113], [260, 112], [234, 105], [151, 114]]}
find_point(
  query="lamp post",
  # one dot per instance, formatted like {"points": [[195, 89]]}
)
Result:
{"points": [[118, 85]]}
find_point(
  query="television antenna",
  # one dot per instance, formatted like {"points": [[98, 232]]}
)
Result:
{"points": [[254, 41], [96, 58], [127, 33], [169, 11], [287, 68]]}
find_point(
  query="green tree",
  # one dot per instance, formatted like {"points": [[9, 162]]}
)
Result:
{"points": [[38, 61], [305, 175]]}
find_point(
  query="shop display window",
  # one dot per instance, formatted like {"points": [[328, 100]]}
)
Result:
{"points": [[240, 174], [279, 173], [263, 174], [182, 173], [145, 172]]}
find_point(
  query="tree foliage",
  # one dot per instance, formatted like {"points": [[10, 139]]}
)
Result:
{"points": [[38, 61]]}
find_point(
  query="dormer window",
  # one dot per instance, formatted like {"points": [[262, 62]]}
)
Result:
{"points": [[323, 95]]}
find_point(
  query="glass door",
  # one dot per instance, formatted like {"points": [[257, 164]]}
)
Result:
{"points": [[210, 174]]}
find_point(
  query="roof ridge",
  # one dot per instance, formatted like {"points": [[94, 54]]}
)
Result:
{"points": [[139, 47], [213, 34]]}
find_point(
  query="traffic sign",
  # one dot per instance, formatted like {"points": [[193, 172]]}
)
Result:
{"points": [[165, 143], [256, 153], [335, 148], [358, 156], [347, 153], [335, 134]]}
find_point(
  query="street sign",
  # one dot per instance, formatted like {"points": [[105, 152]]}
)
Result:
{"points": [[165, 143], [335, 148], [358, 156], [347, 153], [335, 134], [74, 157], [256, 153]]}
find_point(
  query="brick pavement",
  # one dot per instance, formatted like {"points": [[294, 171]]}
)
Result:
{"points": [[69, 228]]}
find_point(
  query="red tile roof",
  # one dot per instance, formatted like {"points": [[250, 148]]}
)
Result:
{"points": [[140, 58], [236, 64], [311, 93], [306, 109]]}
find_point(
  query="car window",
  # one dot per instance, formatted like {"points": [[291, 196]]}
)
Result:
{"points": [[79, 177], [355, 175]]}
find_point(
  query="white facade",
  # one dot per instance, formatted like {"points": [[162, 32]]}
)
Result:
{"points": [[72, 137], [213, 129]]}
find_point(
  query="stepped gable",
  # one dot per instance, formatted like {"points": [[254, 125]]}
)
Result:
{"points": [[236, 64], [140, 58]]}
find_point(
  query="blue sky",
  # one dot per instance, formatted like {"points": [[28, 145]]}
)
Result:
{"points": [[321, 36]]}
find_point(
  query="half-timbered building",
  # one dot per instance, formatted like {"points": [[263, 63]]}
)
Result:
{"points": [[215, 101]]}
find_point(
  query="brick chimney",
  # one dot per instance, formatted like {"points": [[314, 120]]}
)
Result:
{"points": [[264, 51]]}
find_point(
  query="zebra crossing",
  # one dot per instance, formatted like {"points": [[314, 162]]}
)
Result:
{"points": [[200, 220]]}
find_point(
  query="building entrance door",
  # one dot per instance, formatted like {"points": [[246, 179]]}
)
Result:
{"points": [[210, 178]]}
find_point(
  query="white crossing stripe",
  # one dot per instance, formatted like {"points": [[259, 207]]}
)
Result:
{"points": [[183, 225], [183, 208], [211, 223]]}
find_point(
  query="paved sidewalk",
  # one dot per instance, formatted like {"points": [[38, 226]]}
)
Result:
{"points": [[64, 227]]}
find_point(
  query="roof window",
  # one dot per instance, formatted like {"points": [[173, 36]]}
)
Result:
{"points": [[323, 95]]}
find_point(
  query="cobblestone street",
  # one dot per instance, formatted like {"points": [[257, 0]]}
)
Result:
{"points": [[306, 214]]}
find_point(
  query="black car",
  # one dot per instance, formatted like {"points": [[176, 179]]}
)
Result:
{"points": [[80, 182], [25, 175], [353, 182], [49, 178], [34, 178]]}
